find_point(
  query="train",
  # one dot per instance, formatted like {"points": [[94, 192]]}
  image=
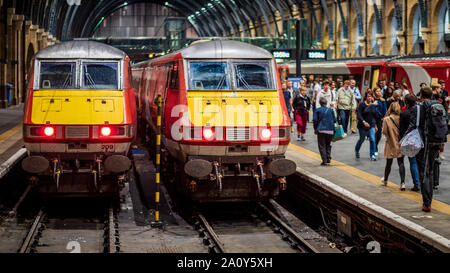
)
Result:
{"points": [[79, 119], [224, 123], [412, 70]]}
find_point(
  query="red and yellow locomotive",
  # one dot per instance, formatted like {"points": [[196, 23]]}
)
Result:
{"points": [[80, 118], [225, 127]]}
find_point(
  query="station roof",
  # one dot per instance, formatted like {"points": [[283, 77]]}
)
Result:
{"points": [[67, 19]]}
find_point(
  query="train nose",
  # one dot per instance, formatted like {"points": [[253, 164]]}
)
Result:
{"points": [[282, 167], [35, 164]]}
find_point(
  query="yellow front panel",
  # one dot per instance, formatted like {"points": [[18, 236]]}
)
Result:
{"points": [[77, 107], [219, 108]]}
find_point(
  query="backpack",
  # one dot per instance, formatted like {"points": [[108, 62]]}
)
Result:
{"points": [[436, 120]]}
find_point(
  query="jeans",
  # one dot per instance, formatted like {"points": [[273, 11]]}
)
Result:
{"points": [[378, 134], [345, 117], [302, 120], [363, 133], [414, 171]]}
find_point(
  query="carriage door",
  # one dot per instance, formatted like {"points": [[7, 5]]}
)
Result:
{"points": [[365, 83], [375, 77]]}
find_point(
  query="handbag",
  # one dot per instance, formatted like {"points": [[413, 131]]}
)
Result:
{"points": [[411, 143], [338, 132]]}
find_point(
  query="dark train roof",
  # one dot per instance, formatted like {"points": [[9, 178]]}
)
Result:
{"points": [[80, 49]]}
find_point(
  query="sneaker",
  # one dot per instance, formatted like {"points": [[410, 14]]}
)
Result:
{"points": [[323, 164], [373, 158], [402, 187], [303, 139], [298, 138], [376, 153], [426, 208], [357, 155], [415, 188], [384, 182]]}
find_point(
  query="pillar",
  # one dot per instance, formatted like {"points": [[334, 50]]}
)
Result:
{"points": [[251, 29], [362, 43], [426, 36], [3, 58], [346, 46], [381, 40], [18, 58], [332, 48], [39, 33], [44, 38], [402, 40]]}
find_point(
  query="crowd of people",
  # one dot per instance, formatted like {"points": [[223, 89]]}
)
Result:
{"points": [[392, 110]]}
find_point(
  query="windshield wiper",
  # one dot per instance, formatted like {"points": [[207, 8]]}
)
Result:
{"points": [[242, 80], [222, 80]]}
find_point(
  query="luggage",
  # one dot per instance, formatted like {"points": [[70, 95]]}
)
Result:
{"points": [[411, 143]]}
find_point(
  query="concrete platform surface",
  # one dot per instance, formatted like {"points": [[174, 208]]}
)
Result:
{"points": [[362, 178]]}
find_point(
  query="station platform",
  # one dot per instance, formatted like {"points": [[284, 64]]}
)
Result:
{"points": [[361, 178], [10, 132]]}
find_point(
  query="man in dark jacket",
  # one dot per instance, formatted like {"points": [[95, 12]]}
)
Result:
{"points": [[324, 120], [405, 119], [426, 157]]}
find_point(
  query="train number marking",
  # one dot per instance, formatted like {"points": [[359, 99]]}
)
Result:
{"points": [[107, 148]]}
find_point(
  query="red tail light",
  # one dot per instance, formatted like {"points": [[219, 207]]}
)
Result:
{"points": [[105, 131], [208, 133], [49, 131], [266, 134]]}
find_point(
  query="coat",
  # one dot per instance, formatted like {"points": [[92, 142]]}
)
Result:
{"points": [[391, 131]]}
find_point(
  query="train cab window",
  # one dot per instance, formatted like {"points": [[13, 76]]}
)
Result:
{"points": [[57, 75], [100, 75], [253, 76], [209, 76]]}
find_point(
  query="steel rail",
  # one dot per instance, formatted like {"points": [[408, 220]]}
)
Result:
{"points": [[25, 248], [298, 239], [217, 246]]}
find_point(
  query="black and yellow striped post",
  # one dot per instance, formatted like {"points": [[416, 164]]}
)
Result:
{"points": [[157, 222]]}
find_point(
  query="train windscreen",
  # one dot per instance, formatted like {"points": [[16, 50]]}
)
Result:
{"points": [[209, 76], [100, 75], [57, 75], [253, 76]]}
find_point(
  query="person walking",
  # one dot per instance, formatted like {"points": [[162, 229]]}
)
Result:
{"points": [[358, 99], [391, 130], [396, 97], [381, 112], [325, 93], [367, 125], [346, 102], [324, 120], [405, 118], [433, 131], [301, 105]]}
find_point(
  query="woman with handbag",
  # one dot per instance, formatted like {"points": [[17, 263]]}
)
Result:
{"points": [[367, 124], [324, 126], [391, 130]]}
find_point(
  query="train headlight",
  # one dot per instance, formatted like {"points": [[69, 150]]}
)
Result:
{"points": [[208, 133], [266, 134], [49, 131], [105, 131]]}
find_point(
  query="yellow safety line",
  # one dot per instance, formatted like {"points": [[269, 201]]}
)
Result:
{"points": [[10, 133], [414, 196]]}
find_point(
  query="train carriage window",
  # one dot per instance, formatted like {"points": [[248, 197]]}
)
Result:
{"points": [[57, 75], [209, 76], [100, 75], [253, 76]]}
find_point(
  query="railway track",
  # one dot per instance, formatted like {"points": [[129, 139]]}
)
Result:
{"points": [[51, 233], [259, 230]]}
